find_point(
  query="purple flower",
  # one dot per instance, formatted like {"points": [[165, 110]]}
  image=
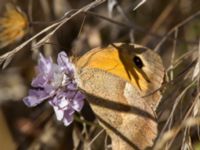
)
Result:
{"points": [[55, 83]]}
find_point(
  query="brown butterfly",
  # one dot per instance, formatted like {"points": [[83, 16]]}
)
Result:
{"points": [[117, 81]]}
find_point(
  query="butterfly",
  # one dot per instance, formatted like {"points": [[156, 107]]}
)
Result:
{"points": [[116, 80]]}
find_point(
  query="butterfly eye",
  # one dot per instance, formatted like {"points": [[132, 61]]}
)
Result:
{"points": [[138, 62]]}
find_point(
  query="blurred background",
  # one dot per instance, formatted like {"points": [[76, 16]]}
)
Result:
{"points": [[170, 27]]}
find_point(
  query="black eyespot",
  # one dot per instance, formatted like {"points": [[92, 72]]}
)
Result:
{"points": [[138, 62]]}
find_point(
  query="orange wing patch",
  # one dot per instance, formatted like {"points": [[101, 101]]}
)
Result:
{"points": [[108, 59]]}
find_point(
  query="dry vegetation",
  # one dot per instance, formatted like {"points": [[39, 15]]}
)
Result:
{"points": [[172, 28]]}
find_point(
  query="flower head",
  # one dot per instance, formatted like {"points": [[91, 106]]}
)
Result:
{"points": [[13, 25], [55, 83]]}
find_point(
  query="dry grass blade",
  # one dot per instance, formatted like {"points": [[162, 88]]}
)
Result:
{"points": [[98, 134], [160, 20], [7, 57], [111, 5], [173, 55], [179, 60], [197, 67], [138, 28], [175, 28], [138, 4], [196, 74], [177, 101], [84, 9], [189, 122]]}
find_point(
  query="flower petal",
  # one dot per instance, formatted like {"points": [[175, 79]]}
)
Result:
{"points": [[72, 86], [44, 64], [68, 117], [64, 103], [59, 113], [64, 62], [39, 81], [62, 59], [69, 94], [35, 97], [78, 102], [31, 101]]}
